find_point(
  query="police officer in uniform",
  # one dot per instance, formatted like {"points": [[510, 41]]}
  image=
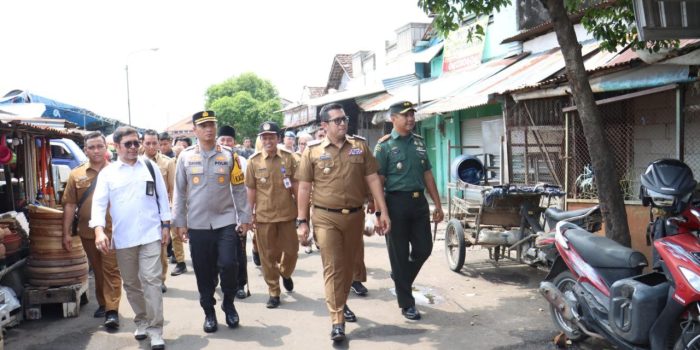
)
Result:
{"points": [[271, 191], [341, 168], [210, 199], [405, 170]]}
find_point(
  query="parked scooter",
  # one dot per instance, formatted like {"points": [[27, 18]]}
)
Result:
{"points": [[538, 227], [596, 286]]}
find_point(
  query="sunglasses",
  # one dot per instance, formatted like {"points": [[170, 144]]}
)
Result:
{"points": [[339, 121], [130, 144]]}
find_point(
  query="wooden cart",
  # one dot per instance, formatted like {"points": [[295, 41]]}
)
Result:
{"points": [[486, 216]]}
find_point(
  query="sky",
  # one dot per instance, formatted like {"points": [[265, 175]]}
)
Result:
{"points": [[76, 51]]}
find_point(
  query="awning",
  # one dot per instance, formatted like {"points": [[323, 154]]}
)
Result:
{"points": [[428, 54], [671, 71], [528, 71], [346, 95]]}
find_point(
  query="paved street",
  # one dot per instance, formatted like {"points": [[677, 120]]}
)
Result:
{"points": [[484, 307]]}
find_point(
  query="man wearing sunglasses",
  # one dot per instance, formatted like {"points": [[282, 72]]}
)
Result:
{"points": [[209, 202], [406, 173], [135, 193], [341, 169]]}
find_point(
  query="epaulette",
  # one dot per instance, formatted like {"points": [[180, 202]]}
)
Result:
{"points": [[384, 138], [226, 148], [284, 150], [313, 143], [418, 136], [255, 154], [359, 137], [190, 148]]}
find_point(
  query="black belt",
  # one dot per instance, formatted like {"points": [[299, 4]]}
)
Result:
{"points": [[413, 194], [342, 211]]}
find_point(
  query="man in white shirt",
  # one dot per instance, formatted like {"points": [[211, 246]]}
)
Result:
{"points": [[137, 199]]}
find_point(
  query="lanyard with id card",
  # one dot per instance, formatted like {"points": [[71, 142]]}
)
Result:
{"points": [[285, 180]]}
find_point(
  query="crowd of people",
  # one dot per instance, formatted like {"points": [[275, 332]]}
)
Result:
{"points": [[136, 213]]}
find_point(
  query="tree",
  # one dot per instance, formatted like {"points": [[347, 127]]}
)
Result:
{"points": [[244, 102], [606, 24]]}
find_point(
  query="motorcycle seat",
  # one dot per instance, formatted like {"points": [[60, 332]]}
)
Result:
{"points": [[599, 251], [558, 215]]}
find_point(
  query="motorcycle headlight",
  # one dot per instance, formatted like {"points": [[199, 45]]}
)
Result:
{"points": [[691, 277]]}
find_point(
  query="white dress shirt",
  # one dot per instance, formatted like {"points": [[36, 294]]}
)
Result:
{"points": [[122, 188]]}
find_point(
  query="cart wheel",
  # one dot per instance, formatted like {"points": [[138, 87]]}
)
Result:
{"points": [[455, 246]]}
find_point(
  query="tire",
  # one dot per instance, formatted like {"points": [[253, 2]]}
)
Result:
{"points": [[455, 246], [689, 340], [565, 282]]}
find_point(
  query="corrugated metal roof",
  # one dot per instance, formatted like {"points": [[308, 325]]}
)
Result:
{"points": [[14, 124], [396, 82], [346, 95], [527, 71]]}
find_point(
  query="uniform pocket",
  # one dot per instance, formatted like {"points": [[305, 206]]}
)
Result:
{"points": [[262, 178]]}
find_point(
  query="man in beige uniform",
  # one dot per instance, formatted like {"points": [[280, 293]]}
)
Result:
{"points": [[271, 189], [167, 168], [341, 169], [108, 281]]}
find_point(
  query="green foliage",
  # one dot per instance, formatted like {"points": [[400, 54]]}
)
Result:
{"points": [[613, 25], [244, 102]]}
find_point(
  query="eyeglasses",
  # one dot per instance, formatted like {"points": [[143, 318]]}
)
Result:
{"points": [[340, 120], [130, 144]]}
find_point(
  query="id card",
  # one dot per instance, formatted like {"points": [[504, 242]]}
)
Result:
{"points": [[150, 188], [287, 183]]}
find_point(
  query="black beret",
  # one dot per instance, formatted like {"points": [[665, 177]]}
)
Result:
{"points": [[227, 130], [203, 117]]}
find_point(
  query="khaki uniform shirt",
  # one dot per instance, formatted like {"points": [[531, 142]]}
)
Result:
{"points": [[266, 175], [167, 168], [338, 174], [79, 181], [209, 189]]}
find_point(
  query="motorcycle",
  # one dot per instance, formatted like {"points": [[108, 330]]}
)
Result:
{"points": [[538, 227], [596, 286]]}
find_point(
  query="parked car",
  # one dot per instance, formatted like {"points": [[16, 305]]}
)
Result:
{"points": [[66, 152]]}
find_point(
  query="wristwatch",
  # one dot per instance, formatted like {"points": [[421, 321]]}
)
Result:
{"points": [[302, 221], [165, 225]]}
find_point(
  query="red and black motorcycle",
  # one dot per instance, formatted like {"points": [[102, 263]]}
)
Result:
{"points": [[596, 286]]}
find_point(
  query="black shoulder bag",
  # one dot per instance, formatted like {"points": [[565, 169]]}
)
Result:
{"points": [[76, 215]]}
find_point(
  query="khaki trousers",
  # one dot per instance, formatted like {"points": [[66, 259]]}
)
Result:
{"points": [[360, 271], [164, 261], [108, 281], [278, 246], [178, 248], [340, 238], [142, 276]]}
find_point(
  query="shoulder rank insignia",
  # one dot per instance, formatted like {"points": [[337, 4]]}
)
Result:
{"points": [[358, 137], [417, 136], [313, 143], [384, 138]]}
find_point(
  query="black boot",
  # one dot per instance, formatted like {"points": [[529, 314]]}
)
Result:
{"points": [[210, 323], [232, 318]]}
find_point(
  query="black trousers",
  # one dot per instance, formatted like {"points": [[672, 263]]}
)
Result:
{"points": [[215, 255], [242, 263], [409, 242]]}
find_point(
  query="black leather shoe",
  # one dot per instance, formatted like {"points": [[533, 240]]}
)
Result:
{"points": [[288, 284], [358, 288], [338, 332], [210, 323], [112, 319], [256, 258], [172, 259], [349, 315], [410, 313], [273, 302], [241, 293], [232, 318], [180, 268], [99, 313], [163, 288]]}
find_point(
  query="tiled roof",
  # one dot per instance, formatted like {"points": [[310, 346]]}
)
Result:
{"points": [[342, 64], [316, 91]]}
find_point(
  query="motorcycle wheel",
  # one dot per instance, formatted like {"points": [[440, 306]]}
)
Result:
{"points": [[565, 282], [689, 340]]}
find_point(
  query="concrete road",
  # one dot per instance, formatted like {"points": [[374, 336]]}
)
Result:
{"points": [[483, 307]]}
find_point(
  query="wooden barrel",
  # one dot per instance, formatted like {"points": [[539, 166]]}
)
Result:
{"points": [[49, 264]]}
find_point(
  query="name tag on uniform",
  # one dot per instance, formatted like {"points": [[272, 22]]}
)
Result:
{"points": [[287, 183], [196, 170], [324, 157], [355, 151]]}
